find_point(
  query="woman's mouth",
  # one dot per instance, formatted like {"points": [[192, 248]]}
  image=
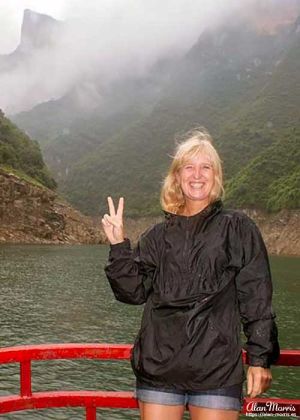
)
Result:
{"points": [[197, 185]]}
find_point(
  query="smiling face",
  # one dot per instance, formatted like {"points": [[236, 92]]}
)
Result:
{"points": [[196, 178]]}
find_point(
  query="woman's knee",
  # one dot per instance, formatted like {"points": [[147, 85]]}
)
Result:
{"points": [[202, 413]]}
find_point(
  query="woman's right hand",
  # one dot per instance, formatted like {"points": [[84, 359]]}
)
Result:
{"points": [[113, 222]]}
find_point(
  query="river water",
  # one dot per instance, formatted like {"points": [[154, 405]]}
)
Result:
{"points": [[59, 294]]}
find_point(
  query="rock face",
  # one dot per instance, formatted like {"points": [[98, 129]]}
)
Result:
{"points": [[37, 31], [281, 231], [33, 214]]}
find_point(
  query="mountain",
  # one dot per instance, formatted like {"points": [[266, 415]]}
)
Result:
{"points": [[39, 31], [30, 74], [274, 109], [242, 85], [19, 152], [30, 211], [67, 129], [240, 80]]}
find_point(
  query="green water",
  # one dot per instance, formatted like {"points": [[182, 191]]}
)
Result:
{"points": [[56, 294]]}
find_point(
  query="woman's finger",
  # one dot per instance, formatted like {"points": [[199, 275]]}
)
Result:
{"points": [[112, 221], [108, 220], [120, 207], [257, 386], [111, 206], [258, 380], [249, 383], [267, 381], [105, 223]]}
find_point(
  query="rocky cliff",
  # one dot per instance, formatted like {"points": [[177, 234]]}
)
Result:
{"points": [[281, 231], [30, 213]]}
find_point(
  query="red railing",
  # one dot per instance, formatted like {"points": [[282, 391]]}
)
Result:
{"points": [[91, 400]]}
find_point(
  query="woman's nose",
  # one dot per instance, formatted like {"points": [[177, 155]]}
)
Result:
{"points": [[197, 173]]}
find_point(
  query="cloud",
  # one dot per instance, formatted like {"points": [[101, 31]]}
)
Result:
{"points": [[111, 38]]}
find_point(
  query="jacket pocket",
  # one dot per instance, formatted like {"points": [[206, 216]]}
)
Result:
{"points": [[213, 326]]}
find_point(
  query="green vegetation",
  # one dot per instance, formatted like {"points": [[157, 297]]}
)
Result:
{"points": [[19, 152], [270, 181], [21, 175], [265, 119], [246, 107], [244, 87]]}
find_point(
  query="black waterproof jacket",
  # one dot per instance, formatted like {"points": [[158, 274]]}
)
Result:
{"points": [[200, 277]]}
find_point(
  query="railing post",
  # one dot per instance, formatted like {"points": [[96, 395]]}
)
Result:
{"points": [[25, 378], [90, 413]]}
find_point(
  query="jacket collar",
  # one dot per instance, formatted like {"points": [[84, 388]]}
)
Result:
{"points": [[211, 209]]}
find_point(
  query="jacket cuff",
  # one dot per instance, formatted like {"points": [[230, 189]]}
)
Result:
{"points": [[117, 249], [258, 361]]}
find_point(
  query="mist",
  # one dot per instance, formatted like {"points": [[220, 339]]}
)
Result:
{"points": [[108, 41]]}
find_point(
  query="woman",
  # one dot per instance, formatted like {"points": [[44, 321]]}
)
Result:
{"points": [[201, 272]]}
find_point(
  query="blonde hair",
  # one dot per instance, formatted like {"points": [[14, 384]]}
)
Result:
{"points": [[194, 142]]}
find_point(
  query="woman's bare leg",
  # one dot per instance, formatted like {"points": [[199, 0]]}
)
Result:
{"points": [[149, 411], [201, 413]]}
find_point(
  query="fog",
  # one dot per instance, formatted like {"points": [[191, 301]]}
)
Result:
{"points": [[106, 40]]}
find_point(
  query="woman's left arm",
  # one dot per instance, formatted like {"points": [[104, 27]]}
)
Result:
{"points": [[254, 289]]}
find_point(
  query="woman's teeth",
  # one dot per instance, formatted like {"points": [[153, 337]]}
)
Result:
{"points": [[196, 185]]}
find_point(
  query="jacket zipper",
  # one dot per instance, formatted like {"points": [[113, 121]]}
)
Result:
{"points": [[185, 248]]}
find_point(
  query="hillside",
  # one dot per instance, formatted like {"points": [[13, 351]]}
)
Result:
{"points": [[271, 180], [264, 120], [246, 91], [18, 151], [31, 213], [67, 129]]}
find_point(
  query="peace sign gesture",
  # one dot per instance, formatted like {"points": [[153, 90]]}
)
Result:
{"points": [[113, 222]]}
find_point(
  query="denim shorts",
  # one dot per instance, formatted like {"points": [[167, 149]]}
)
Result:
{"points": [[229, 398]]}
